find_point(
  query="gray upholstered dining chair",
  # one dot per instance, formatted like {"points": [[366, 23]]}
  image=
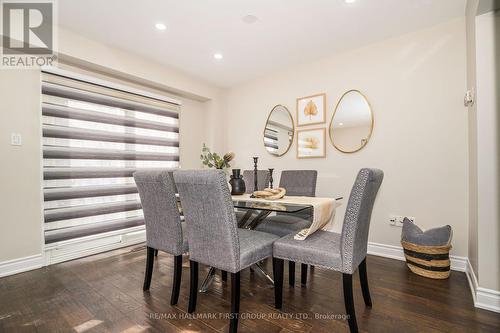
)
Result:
{"points": [[299, 182], [343, 252], [263, 178], [164, 230], [296, 183], [214, 237]]}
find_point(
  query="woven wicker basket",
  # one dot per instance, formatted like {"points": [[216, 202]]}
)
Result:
{"points": [[429, 261]]}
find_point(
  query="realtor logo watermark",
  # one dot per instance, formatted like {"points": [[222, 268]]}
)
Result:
{"points": [[28, 34]]}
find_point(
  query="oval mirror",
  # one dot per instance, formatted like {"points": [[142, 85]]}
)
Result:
{"points": [[352, 122], [279, 131]]}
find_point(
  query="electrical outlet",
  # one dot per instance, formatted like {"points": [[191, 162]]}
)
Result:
{"points": [[392, 220], [397, 220]]}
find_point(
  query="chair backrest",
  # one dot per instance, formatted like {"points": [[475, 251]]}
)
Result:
{"points": [[161, 213], [299, 182], [354, 238], [263, 178], [212, 231]]}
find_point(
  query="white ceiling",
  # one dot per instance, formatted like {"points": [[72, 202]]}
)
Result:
{"points": [[287, 32]]}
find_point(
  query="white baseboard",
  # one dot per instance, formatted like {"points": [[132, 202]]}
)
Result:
{"points": [[471, 277], [20, 265], [484, 298], [85, 246], [73, 249], [396, 252], [487, 299]]}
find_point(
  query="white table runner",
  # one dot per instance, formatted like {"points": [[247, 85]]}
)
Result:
{"points": [[323, 210]]}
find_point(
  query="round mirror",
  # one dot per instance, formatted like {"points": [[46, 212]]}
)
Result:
{"points": [[352, 122], [279, 130]]}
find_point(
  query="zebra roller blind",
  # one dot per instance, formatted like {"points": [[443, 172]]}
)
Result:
{"points": [[94, 138]]}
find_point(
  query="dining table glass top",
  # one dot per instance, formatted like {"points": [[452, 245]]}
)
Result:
{"points": [[270, 206], [241, 202]]}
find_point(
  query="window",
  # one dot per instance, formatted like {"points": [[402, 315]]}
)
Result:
{"points": [[94, 137]]}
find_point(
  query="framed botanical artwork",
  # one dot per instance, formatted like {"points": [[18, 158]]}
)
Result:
{"points": [[311, 143], [311, 110]]}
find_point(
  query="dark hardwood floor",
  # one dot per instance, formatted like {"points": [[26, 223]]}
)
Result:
{"points": [[103, 293]]}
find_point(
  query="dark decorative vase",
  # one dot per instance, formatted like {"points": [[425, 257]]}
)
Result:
{"points": [[237, 183]]}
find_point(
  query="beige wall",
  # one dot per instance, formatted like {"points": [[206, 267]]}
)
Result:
{"points": [[488, 143], [192, 133], [415, 84], [20, 176], [470, 17]]}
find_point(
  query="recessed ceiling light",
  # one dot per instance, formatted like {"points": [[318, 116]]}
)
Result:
{"points": [[349, 1], [341, 124], [218, 56], [249, 19], [160, 26]]}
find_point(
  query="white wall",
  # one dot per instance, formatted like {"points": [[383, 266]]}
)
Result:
{"points": [[488, 148], [415, 85]]}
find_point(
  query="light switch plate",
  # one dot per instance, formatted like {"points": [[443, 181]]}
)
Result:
{"points": [[16, 139]]}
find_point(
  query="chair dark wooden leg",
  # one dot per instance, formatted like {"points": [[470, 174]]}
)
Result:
{"points": [[149, 268], [349, 302], [303, 274], [177, 279], [278, 282], [235, 302], [156, 253], [291, 273], [363, 278], [193, 286], [223, 275]]}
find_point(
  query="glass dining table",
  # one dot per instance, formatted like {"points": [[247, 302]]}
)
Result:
{"points": [[257, 211], [251, 214]]}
